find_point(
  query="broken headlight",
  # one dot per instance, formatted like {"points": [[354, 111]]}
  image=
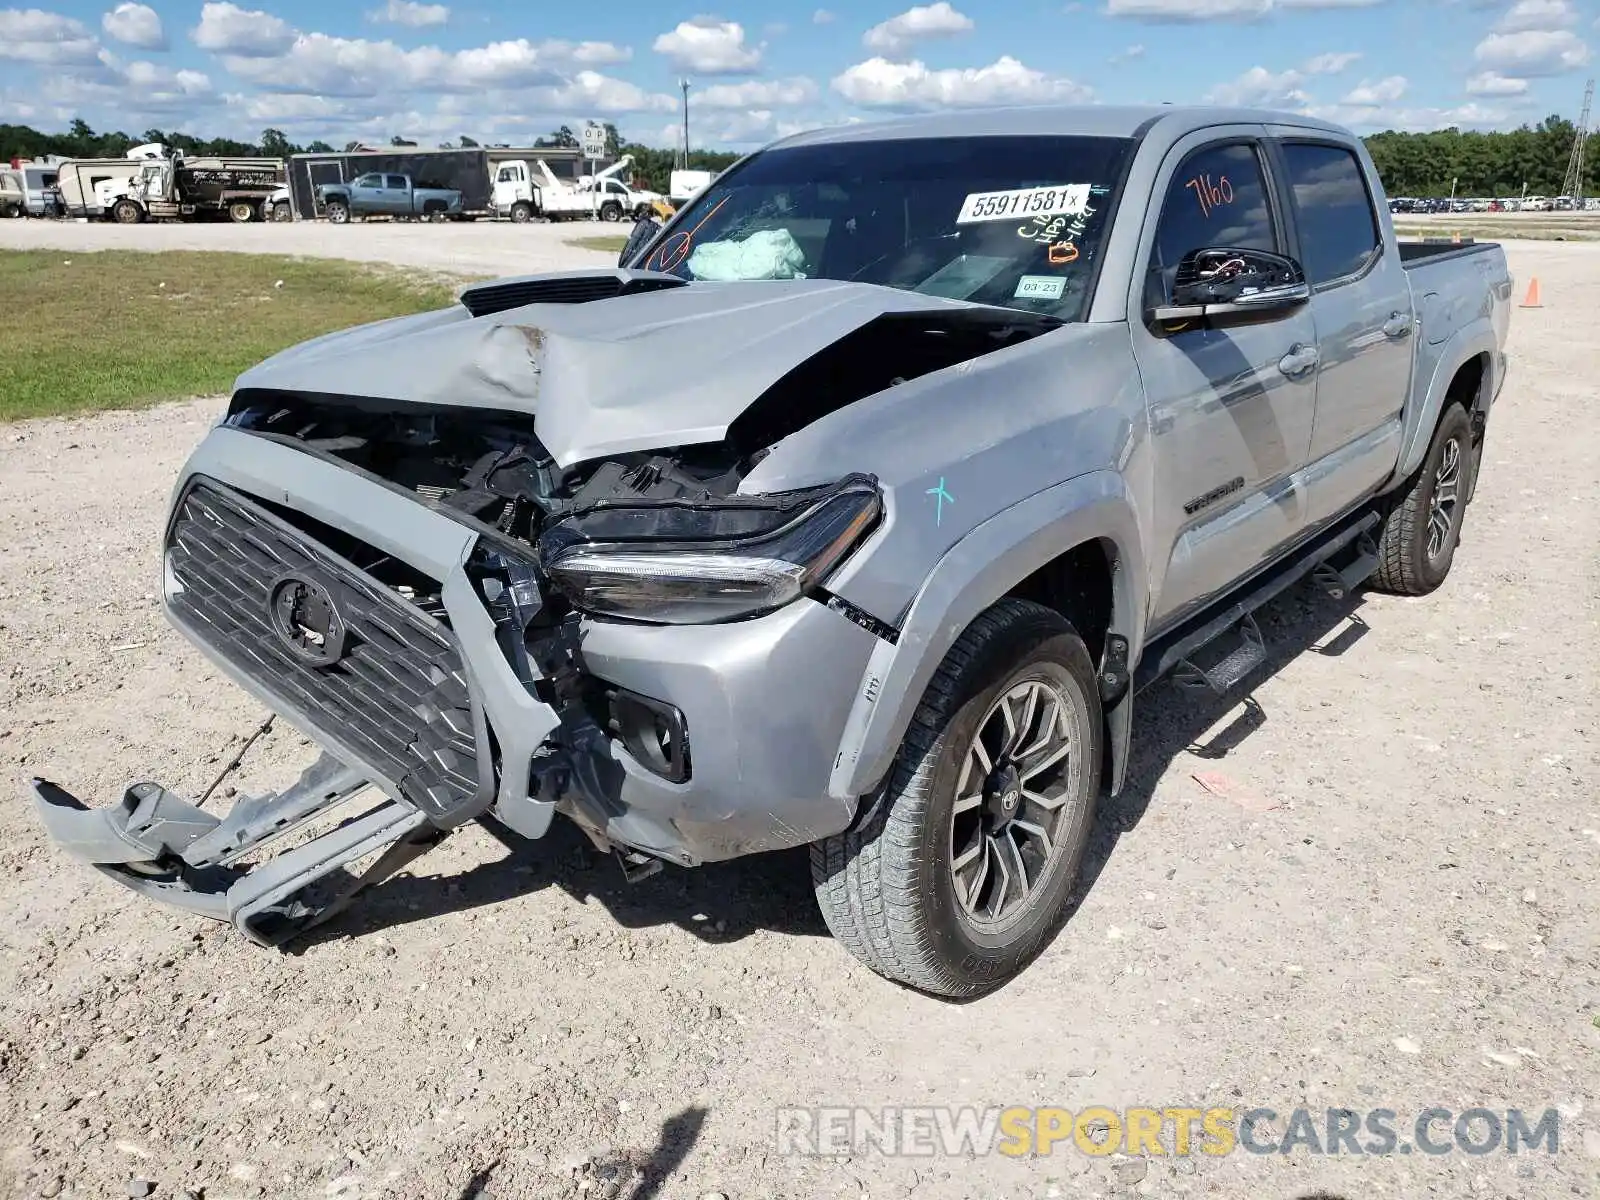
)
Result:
{"points": [[682, 562]]}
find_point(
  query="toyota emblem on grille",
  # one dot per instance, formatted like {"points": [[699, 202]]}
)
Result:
{"points": [[306, 621]]}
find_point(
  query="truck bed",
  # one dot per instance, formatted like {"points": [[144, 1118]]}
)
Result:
{"points": [[1413, 254]]}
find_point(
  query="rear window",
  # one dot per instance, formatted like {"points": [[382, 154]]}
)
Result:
{"points": [[1338, 232]]}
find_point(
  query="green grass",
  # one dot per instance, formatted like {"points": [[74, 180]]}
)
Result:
{"points": [[120, 329], [610, 243]]}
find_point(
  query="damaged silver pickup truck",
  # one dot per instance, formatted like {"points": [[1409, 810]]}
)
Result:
{"points": [[852, 511]]}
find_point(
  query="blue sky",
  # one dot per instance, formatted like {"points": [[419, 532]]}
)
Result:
{"points": [[503, 71]]}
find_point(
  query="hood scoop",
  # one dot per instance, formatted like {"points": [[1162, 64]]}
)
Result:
{"points": [[562, 287]]}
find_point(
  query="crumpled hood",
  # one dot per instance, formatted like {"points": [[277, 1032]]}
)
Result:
{"points": [[644, 371]]}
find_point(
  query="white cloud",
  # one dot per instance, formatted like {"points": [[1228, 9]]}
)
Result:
{"points": [[919, 23], [879, 83], [1537, 14], [1190, 10], [317, 64], [31, 35], [1218, 10], [137, 89], [1127, 55], [1369, 118], [1369, 94], [1330, 64], [1492, 83], [759, 93], [225, 28], [135, 25], [1259, 87], [410, 13], [595, 54], [593, 92], [709, 47], [1532, 52], [821, 17]]}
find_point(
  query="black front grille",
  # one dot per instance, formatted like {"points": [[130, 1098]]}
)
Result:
{"points": [[396, 697]]}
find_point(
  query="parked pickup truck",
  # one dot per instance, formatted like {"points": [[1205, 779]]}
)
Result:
{"points": [[379, 194], [852, 511]]}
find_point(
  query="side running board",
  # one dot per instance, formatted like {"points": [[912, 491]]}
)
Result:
{"points": [[1338, 559]]}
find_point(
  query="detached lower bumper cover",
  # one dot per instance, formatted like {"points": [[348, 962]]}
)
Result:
{"points": [[158, 844]]}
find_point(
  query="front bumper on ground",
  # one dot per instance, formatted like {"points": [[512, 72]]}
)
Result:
{"points": [[764, 703], [166, 849]]}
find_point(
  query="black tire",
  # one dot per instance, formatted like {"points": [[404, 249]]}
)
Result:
{"points": [[1411, 560], [241, 212], [127, 212], [522, 212], [887, 888], [611, 211], [282, 211], [338, 212]]}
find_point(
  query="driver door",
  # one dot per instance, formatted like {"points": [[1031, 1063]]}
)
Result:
{"points": [[1230, 408]]}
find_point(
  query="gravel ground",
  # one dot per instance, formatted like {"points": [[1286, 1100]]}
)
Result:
{"points": [[1410, 923], [468, 248]]}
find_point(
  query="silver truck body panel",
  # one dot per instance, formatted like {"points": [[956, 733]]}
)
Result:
{"points": [[1193, 460], [640, 372]]}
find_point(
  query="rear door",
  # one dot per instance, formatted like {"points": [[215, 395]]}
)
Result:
{"points": [[397, 192], [1361, 303], [1230, 408]]}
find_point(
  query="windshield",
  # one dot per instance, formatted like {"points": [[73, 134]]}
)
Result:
{"points": [[1012, 221]]}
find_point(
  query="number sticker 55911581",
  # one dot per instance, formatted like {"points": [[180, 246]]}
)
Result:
{"points": [[1054, 201]]}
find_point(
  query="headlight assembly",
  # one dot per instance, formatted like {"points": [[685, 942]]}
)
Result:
{"points": [[684, 562]]}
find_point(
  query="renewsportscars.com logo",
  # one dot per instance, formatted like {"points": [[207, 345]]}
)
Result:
{"points": [[1177, 1131]]}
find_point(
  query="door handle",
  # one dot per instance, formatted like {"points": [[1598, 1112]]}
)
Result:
{"points": [[1398, 325], [1301, 359]]}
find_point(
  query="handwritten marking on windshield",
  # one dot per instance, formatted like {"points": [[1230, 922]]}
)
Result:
{"points": [[941, 497], [680, 250]]}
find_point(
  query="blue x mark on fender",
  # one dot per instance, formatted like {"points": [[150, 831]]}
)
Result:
{"points": [[941, 498]]}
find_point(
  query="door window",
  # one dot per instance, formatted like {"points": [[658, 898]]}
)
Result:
{"points": [[1217, 198], [369, 181], [1338, 232], [398, 182]]}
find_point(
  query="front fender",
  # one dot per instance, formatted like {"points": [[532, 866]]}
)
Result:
{"points": [[974, 573]]}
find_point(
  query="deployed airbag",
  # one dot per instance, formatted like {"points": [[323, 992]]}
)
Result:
{"points": [[765, 254]]}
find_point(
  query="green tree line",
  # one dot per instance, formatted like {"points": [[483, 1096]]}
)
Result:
{"points": [[1481, 164], [1411, 164]]}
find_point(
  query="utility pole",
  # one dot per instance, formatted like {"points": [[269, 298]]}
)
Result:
{"points": [[1572, 185], [684, 84]]}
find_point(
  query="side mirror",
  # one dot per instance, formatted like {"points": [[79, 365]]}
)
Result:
{"points": [[643, 230], [1231, 283]]}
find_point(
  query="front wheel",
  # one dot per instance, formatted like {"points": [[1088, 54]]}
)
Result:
{"points": [[1423, 528], [522, 212], [338, 213], [611, 211], [241, 212], [281, 211], [962, 868], [126, 212]]}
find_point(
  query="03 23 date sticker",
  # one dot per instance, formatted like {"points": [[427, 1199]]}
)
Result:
{"points": [[1061, 200]]}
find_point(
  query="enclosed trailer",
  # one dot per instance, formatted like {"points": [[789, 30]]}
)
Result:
{"points": [[469, 171]]}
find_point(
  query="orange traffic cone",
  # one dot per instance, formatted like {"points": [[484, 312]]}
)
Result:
{"points": [[1531, 300]]}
